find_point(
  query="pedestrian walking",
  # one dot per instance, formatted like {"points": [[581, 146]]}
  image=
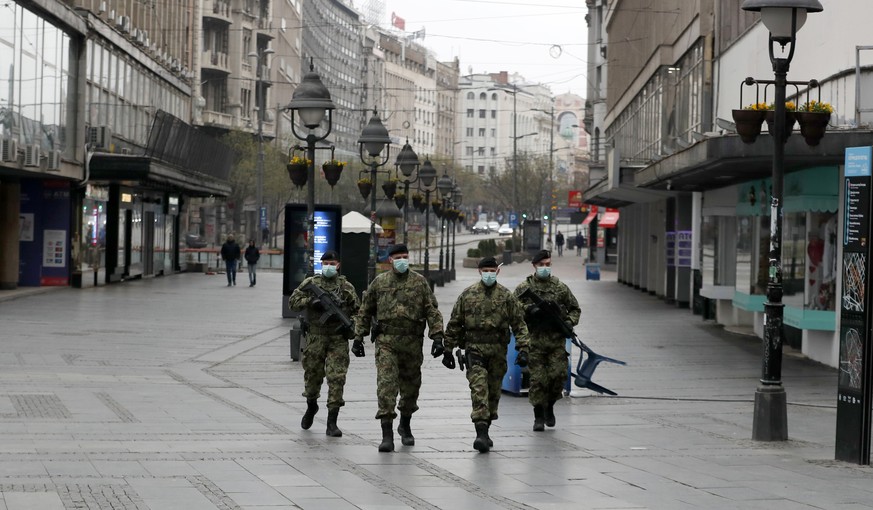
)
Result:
{"points": [[231, 255], [252, 255], [397, 305], [549, 244], [484, 316], [559, 242], [548, 351], [327, 347], [579, 241]]}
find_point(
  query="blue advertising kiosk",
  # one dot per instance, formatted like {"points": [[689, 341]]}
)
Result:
{"points": [[328, 231]]}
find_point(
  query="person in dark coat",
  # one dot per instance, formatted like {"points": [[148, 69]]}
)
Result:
{"points": [[559, 242], [231, 255], [252, 255]]}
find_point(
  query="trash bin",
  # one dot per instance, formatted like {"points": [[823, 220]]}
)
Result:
{"points": [[592, 271], [507, 257], [297, 340]]}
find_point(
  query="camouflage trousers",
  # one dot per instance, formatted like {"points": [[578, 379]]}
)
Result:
{"points": [[398, 371], [325, 356], [487, 366], [548, 372]]}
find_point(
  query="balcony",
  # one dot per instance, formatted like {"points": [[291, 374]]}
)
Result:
{"points": [[217, 9], [215, 61], [218, 119]]}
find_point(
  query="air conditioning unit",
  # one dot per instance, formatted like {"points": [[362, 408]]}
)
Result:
{"points": [[125, 24], [54, 161], [100, 137], [31, 155], [102, 8], [139, 38], [9, 150]]}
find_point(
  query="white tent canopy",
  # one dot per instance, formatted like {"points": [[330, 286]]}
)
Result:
{"points": [[356, 223]]}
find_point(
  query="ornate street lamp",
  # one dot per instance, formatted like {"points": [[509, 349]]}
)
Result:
{"points": [[783, 18], [311, 100], [426, 176], [374, 138], [444, 186], [407, 164], [457, 195]]}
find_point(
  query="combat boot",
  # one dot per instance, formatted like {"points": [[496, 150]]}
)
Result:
{"points": [[311, 409], [488, 434], [387, 444], [481, 442], [550, 414], [405, 431], [332, 429], [539, 424]]}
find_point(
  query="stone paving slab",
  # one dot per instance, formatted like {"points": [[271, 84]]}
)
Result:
{"points": [[178, 392]]}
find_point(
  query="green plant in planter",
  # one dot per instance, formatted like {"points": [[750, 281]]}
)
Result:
{"points": [[474, 253]]}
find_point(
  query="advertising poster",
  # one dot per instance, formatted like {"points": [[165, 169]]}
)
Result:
{"points": [[54, 245]]}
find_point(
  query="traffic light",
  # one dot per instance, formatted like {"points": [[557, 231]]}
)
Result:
{"points": [[524, 216], [545, 216]]}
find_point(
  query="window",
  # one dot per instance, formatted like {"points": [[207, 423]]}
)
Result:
{"points": [[494, 96], [481, 151], [469, 151], [493, 114], [469, 113], [493, 132], [481, 170], [481, 114], [471, 96], [493, 151], [481, 131], [470, 131], [483, 96]]}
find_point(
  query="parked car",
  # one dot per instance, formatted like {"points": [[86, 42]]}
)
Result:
{"points": [[480, 227], [505, 230], [195, 241], [493, 226]]}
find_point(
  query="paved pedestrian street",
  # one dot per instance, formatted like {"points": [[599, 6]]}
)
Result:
{"points": [[179, 393]]}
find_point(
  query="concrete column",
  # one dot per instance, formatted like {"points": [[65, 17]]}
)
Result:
{"points": [[10, 203]]}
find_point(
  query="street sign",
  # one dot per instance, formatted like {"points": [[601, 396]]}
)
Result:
{"points": [[263, 218], [574, 198], [513, 220]]}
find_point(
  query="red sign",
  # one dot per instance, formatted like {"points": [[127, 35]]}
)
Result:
{"points": [[574, 198]]}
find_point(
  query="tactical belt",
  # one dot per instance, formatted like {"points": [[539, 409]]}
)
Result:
{"points": [[485, 337], [325, 331], [412, 330]]}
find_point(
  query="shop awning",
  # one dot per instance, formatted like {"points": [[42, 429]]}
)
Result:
{"points": [[591, 215], [609, 219]]}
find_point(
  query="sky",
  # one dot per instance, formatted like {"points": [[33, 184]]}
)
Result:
{"points": [[545, 42]]}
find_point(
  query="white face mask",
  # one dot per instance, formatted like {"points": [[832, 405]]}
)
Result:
{"points": [[401, 265], [544, 272], [489, 278], [328, 271]]}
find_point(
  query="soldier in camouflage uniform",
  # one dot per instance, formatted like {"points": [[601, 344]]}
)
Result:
{"points": [[327, 349], [401, 302], [480, 323], [548, 351]]}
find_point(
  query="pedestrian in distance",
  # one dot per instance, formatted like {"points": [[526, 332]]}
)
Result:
{"points": [[252, 255], [327, 348], [548, 346], [230, 253], [397, 305], [559, 242], [579, 241], [483, 318], [549, 244]]}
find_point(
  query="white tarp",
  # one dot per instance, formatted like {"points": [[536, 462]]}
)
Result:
{"points": [[356, 223]]}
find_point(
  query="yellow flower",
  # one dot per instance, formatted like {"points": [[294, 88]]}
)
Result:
{"points": [[334, 162], [758, 107], [817, 106], [297, 160]]}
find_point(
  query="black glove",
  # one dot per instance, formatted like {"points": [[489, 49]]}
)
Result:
{"points": [[521, 359], [569, 325], [437, 349], [531, 311], [358, 347], [448, 360], [315, 304]]}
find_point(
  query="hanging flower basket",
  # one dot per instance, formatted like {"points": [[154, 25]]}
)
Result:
{"points": [[365, 186], [748, 123], [332, 171], [813, 126], [390, 188], [790, 118], [437, 208], [299, 173], [421, 206], [418, 202], [400, 200]]}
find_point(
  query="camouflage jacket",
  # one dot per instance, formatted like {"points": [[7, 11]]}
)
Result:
{"points": [[342, 292], [402, 303], [551, 289], [486, 315]]}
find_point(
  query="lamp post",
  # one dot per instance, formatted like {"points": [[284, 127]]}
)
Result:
{"points": [[783, 18], [311, 100], [457, 195], [426, 176], [374, 138], [262, 101], [407, 163], [444, 186], [551, 113]]}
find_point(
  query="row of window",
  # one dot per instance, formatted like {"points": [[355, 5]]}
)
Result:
{"points": [[482, 96], [471, 113]]}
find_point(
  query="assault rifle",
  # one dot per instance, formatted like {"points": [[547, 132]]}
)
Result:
{"points": [[551, 314], [331, 308], [462, 359]]}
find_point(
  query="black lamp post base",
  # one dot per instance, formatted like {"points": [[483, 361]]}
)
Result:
{"points": [[770, 422]]}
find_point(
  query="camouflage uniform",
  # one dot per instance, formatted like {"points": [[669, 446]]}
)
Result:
{"points": [[326, 351], [401, 303], [548, 348], [480, 323]]}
